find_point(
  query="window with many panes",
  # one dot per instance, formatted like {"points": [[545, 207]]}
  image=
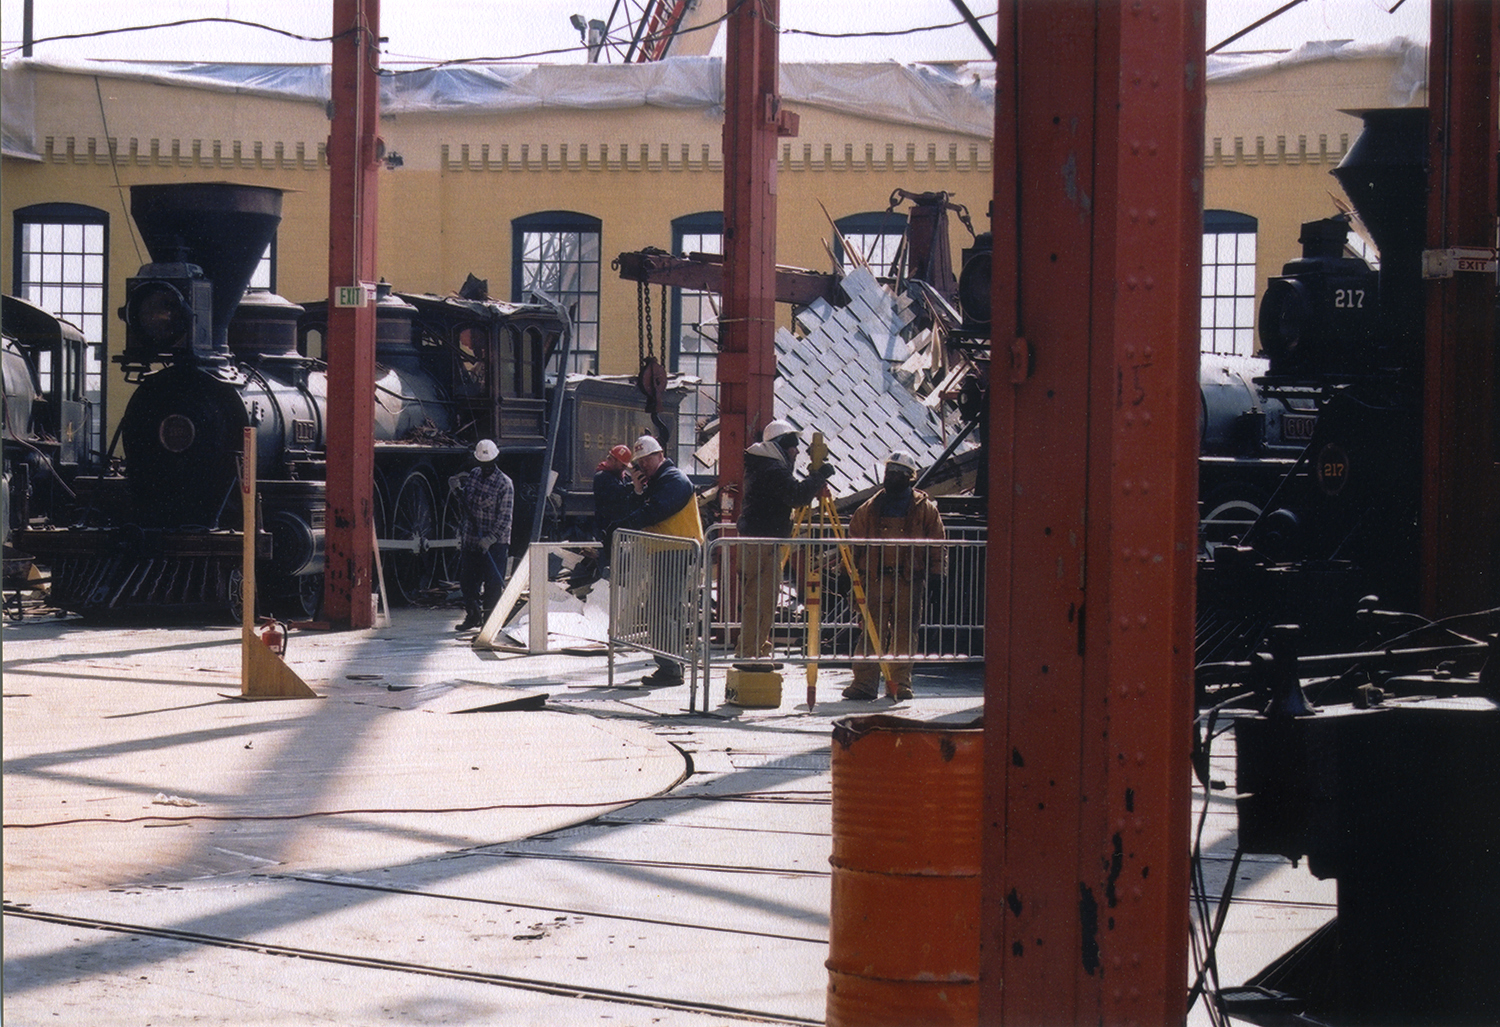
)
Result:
{"points": [[875, 236], [1227, 327], [60, 267], [555, 256], [695, 332]]}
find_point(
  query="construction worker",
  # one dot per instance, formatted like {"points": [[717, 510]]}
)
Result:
{"points": [[772, 492], [896, 577], [614, 495], [484, 536], [667, 505]]}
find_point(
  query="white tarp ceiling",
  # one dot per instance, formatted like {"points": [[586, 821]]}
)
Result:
{"points": [[944, 97]]}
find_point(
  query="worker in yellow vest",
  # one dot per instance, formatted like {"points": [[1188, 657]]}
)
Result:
{"points": [[667, 505]]}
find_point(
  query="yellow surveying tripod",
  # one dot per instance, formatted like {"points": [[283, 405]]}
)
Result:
{"points": [[822, 511]]}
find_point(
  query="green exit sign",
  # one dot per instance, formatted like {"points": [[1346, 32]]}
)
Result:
{"points": [[354, 295]]}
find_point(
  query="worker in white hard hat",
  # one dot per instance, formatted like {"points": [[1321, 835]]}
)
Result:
{"points": [[488, 497], [772, 492], [666, 504], [898, 576]]}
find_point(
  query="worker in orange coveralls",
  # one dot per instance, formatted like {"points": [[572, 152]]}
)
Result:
{"points": [[896, 577]]}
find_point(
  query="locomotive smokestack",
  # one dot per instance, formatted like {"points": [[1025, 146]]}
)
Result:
{"points": [[1384, 174], [221, 227]]}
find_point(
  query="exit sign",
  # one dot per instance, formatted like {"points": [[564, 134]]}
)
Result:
{"points": [[354, 295]]}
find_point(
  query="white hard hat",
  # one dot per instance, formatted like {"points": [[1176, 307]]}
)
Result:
{"points": [[646, 445], [486, 451], [901, 458], [776, 429]]}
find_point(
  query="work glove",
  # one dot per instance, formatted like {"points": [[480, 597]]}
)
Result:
{"points": [[487, 541]]}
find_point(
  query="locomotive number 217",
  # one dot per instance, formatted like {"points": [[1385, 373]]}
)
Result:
{"points": [[1349, 299]]}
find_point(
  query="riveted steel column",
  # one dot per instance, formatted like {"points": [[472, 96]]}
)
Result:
{"points": [[747, 358], [352, 166], [1088, 697], [1461, 433]]}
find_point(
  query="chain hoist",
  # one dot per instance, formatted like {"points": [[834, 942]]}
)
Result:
{"points": [[652, 379]]}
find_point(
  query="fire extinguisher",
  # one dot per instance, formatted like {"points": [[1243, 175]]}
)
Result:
{"points": [[273, 635]]}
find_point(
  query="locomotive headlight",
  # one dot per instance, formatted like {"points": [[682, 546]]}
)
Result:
{"points": [[160, 313]]}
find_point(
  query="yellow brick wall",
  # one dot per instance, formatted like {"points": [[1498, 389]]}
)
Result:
{"points": [[447, 211]]}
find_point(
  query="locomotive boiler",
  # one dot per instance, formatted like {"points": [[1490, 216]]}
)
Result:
{"points": [[210, 359]]}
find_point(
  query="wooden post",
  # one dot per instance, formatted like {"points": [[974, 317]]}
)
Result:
{"points": [[263, 674]]}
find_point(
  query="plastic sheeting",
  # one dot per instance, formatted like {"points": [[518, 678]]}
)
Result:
{"points": [[921, 95], [945, 98], [1409, 80]]}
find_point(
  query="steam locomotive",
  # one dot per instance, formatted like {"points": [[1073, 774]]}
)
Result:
{"points": [[1309, 454], [210, 359], [1319, 508], [50, 422]]}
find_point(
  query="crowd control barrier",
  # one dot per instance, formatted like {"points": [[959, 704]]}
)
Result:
{"points": [[815, 600], [655, 582], [923, 599]]}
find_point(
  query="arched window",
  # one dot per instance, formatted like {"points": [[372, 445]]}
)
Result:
{"points": [[695, 328], [555, 255], [1227, 325], [61, 265], [875, 235]]}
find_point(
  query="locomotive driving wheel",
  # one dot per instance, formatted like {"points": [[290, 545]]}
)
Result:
{"points": [[446, 549], [413, 525]]}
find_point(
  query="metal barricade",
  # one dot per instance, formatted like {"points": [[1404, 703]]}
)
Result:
{"points": [[924, 597], [653, 599]]}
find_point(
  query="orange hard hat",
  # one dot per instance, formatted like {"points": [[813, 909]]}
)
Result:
{"points": [[620, 453]]}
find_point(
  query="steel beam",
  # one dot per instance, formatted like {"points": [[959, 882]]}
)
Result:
{"points": [[1088, 694], [352, 166], [704, 272], [753, 120], [1461, 431]]}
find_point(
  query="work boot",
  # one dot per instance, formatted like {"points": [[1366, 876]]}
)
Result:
{"points": [[903, 692], [858, 691], [660, 678], [472, 619]]}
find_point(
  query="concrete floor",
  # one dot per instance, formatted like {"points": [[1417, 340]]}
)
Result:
{"points": [[368, 857]]}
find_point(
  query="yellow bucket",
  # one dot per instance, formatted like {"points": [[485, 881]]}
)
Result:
{"points": [[752, 688]]}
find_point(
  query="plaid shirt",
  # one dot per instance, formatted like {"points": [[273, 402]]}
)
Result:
{"points": [[489, 502]]}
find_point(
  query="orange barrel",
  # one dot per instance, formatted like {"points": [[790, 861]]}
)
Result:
{"points": [[903, 945]]}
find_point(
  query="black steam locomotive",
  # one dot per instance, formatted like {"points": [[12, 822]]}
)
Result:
{"points": [[50, 421], [209, 360], [1308, 465], [1319, 507]]}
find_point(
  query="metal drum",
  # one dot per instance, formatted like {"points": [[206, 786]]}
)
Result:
{"points": [[904, 928]]}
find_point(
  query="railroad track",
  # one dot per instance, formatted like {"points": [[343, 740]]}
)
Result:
{"points": [[531, 984]]}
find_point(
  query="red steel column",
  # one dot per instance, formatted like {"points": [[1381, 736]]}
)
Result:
{"points": [[352, 167], [1461, 433], [747, 357], [1088, 694]]}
